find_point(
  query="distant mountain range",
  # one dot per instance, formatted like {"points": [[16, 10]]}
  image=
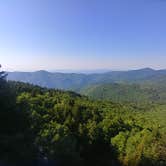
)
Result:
{"points": [[143, 85], [73, 81]]}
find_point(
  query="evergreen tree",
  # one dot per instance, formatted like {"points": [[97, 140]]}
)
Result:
{"points": [[2, 74]]}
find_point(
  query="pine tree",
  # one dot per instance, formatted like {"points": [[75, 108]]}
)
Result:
{"points": [[2, 74]]}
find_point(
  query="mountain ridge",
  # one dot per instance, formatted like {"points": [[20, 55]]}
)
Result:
{"points": [[76, 81]]}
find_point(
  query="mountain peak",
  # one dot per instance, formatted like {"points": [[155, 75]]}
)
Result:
{"points": [[146, 69], [41, 71]]}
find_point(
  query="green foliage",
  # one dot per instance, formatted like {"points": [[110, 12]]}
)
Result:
{"points": [[75, 130], [15, 137], [131, 93]]}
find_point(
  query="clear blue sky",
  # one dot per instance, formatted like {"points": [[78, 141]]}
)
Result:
{"points": [[82, 34]]}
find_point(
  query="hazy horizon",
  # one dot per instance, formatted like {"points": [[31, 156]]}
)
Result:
{"points": [[93, 71]]}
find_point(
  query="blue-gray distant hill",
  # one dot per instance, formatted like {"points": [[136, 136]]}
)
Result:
{"points": [[84, 83], [50, 80], [73, 81]]}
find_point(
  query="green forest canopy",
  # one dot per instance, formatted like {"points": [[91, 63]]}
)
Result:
{"points": [[74, 130], [131, 93]]}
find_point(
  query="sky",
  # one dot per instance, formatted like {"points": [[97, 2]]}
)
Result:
{"points": [[82, 34]]}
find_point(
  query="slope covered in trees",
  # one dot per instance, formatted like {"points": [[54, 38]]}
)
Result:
{"points": [[69, 129], [135, 93]]}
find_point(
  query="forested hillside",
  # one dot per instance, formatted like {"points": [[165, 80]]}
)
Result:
{"points": [[135, 93], [64, 128]]}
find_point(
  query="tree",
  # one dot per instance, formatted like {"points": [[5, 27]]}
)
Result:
{"points": [[2, 74], [15, 137]]}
